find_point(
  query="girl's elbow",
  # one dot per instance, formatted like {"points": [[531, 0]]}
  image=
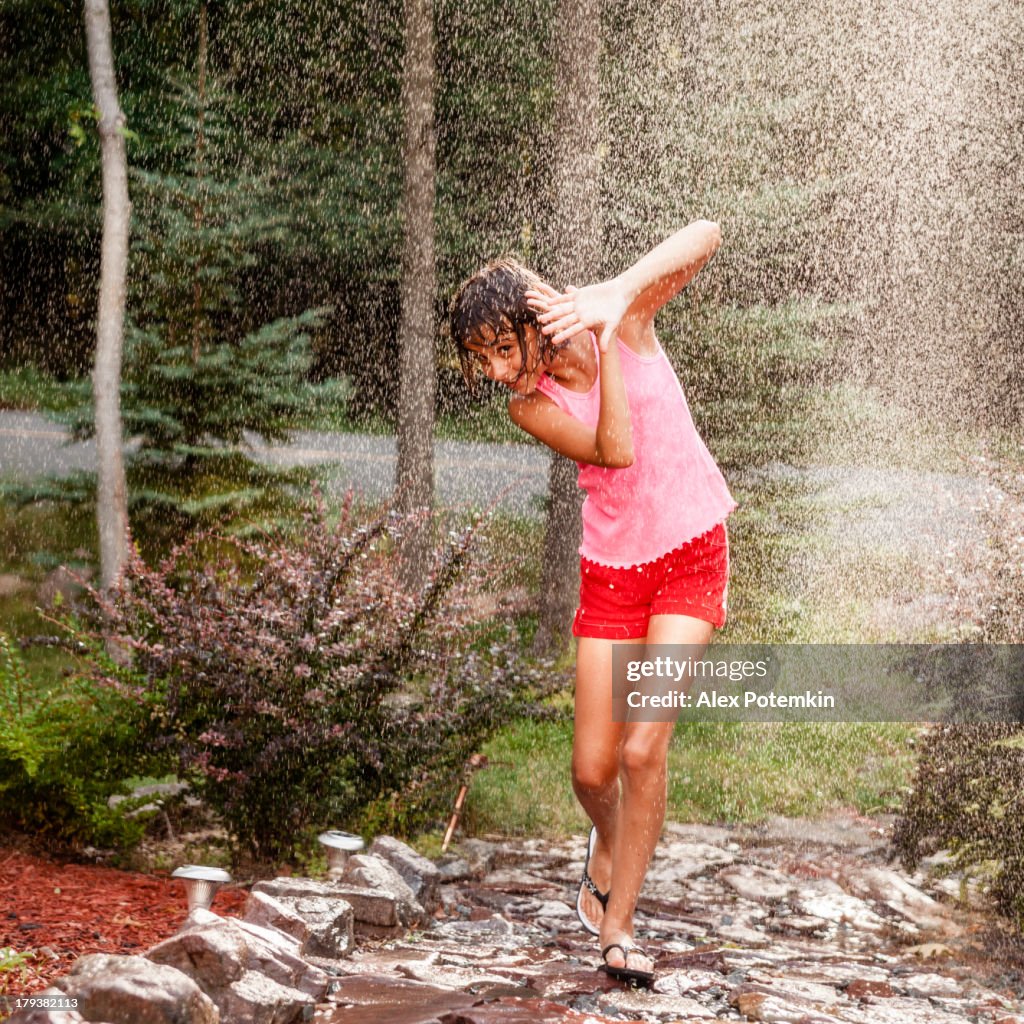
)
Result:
{"points": [[619, 460], [713, 233]]}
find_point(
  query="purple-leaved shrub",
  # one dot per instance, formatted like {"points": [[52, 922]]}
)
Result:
{"points": [[294, 683]]}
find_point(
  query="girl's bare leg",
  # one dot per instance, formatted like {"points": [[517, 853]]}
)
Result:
{"points": [[595, 758], [642, 767]]}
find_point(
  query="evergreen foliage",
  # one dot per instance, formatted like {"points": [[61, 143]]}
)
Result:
{"points": [[64, 751], [966, 799], [198, 370]]}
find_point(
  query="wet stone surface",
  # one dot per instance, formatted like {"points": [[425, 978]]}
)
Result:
{"points": [[796, 922]]}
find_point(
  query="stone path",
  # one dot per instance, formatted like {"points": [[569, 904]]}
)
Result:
{"points": [[795, 921]]}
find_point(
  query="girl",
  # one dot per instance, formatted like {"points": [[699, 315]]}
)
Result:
{"points": [[654, 557]]}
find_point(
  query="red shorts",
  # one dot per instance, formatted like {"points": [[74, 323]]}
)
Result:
{"points": [[617, 604]]}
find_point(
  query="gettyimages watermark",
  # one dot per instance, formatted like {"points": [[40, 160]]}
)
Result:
{"points": [[818, 682]]}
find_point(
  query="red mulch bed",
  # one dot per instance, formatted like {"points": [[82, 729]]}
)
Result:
{"points": [[58, 912]]}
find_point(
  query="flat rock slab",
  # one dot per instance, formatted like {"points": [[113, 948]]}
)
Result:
{"points": [[841, 833], [385, 999], [525, 1011]]}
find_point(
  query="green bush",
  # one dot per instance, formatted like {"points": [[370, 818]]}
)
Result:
{"points": [[63, 753], [967, 798]]}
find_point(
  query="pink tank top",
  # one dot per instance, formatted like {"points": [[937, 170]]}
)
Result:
{"points": [[673, 491]]}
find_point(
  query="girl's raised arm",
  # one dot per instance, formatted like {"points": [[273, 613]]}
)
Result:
{"points": [[637, 293]]}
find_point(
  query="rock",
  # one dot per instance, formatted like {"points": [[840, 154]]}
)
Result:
{"points": [[849, 833], [892, 889], [134, 990], [637, 1004], [903, 1011], [832, 972], [743, 936], [375, 913], [371, 997], [803, 924], [830, 903], [816, 992], [864, 988], [475, 931], [470, 978], [322, 926], [756, 883], [517, 881], [715, 835], [523, 1011], [684, 982], [455, 869], [221, 954], [378, 875], [285, 885], [930, 985], [551, 911], [757, 1003], [688, 860], [256, 999], [482, 856], [421, 875]]}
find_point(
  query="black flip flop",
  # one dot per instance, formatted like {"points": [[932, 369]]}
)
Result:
{"points": [[627, 974], [586, 882]]}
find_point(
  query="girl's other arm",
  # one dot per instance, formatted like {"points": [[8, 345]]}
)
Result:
{"points": [[637, 293], [668, 268]]}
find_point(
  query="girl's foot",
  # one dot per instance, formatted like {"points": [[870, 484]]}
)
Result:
{"points": [[590, 905], [627, 962]]}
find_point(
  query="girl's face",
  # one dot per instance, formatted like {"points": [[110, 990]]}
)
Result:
{"points": [[501, 360]]}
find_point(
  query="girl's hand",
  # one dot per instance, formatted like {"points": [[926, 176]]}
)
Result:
{"points": [[600, 307], [540, 300]]}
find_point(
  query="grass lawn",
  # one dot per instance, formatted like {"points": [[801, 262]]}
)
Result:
{"points": [[718, 772]]}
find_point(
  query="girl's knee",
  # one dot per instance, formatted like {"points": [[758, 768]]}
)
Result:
{"points": [[589, 775], [640, 760]]}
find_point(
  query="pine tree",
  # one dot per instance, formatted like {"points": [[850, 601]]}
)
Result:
{"points": [[199, 372]]}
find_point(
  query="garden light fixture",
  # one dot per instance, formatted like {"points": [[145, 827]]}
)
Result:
{"points": [[339, 845], [201, 884]]}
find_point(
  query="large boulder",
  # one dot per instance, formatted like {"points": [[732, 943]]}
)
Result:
{"points": [[322, 925], [134, 990], [251, 973], [372, 872], [421, 875], [376, 912]]}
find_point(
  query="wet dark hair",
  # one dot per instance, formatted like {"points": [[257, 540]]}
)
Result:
{"points": [[494, 298]]}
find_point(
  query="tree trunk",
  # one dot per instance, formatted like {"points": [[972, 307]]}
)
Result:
{"points": [[197, 213], [111, 492], [417, 373], [573, 240]]}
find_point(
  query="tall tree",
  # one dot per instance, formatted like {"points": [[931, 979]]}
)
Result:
{"points": [[573, 241], [417, 371], [111, 496]]}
